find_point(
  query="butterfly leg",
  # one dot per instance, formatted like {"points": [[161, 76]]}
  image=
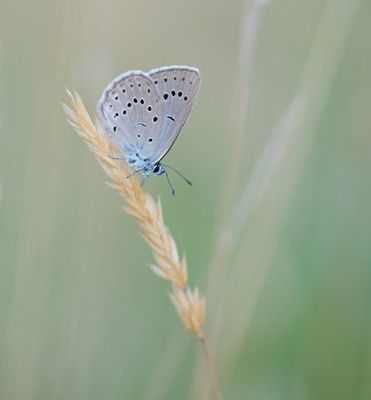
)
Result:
{"points": [[146, 176], [135, 172]]}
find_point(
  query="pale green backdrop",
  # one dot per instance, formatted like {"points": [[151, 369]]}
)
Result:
{"points": [[276, 228]]}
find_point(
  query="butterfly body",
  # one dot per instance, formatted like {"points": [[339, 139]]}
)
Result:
{"points": [[143, 113], [134, 159]]}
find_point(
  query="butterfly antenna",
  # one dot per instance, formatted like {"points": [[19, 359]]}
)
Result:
{"points": [[181, 175], [171, 186]]}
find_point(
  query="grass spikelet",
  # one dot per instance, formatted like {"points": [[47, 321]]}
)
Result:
{"points": [[191, 309]]}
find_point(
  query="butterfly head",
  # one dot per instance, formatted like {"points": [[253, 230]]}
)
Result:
{"points": [[157, 169]]}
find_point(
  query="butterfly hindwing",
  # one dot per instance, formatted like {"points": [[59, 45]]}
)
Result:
{"points": [[132, 112]]}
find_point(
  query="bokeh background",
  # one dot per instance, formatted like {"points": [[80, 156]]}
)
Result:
{"points": [[276, 229]]}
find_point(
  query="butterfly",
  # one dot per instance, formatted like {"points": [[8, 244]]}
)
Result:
{"points": [[144, 112]]}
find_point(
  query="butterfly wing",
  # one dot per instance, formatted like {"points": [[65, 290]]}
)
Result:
{"points": [[178, 88], [131, 111]]}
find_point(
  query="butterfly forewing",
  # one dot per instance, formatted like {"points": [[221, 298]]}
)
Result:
{"points": [[177, 87], [131, 110]]}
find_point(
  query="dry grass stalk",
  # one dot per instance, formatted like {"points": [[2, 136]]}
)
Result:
{"points": [[148, 213]]}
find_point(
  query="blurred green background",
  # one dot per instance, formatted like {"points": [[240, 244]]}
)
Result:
{"points": [[276, 228]]}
